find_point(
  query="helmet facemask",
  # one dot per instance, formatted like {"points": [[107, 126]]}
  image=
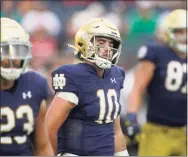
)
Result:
{"points": [[12, 53], [104, 57], [178, 39]]}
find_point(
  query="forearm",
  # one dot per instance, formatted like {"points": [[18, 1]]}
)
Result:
{"points": [[134, 102], [142, 77], [120, 143], [53, 141]]}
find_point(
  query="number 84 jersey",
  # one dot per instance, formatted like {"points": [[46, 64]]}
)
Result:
{"points": [[97, 106], [168, 88]]}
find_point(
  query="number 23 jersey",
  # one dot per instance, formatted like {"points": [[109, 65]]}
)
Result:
{"points": [[19, 109], [97, 106], [168, 88]]}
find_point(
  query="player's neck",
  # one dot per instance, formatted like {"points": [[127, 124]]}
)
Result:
{"points": [[180, 54], [99, 71], [6, 84]]}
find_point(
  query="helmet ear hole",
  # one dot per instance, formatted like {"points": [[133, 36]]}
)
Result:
{"points": [[80, 44], [79, 55]]}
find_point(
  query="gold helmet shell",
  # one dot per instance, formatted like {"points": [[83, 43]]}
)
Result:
{"points": [[85, 49], [176, 19], [11, 30]]}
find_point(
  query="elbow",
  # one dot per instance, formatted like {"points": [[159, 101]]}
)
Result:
{"points": [[52, 132], [51, 128]]}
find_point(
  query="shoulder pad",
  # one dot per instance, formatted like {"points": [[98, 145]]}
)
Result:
{"points": [[150, 52], [120, 72], [37, 79], [34, 76], [67, 69]]}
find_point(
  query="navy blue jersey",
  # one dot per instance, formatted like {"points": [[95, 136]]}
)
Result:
{"points": [[89, 128], [19, 108], [168, 88]]}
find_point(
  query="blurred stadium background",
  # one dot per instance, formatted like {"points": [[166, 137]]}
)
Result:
{"points": [[52, 24]]}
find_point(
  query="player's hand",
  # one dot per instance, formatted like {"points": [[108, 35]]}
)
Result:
{"points": [[131, 125]]}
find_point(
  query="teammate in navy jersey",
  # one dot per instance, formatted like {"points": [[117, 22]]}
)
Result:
{"points": [[22, 108], [162, 73], [84, 113]]}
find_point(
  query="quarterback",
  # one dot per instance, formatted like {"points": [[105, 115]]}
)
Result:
{"points": [[162, 73], [23, 94], [83, 118]]}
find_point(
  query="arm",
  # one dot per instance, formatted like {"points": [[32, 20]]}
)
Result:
{"points": [[143, 76], [120, 145], [42, 146], [57, 113]]}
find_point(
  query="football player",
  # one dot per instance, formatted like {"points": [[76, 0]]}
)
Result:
{"points": [[84, 113], [23, 94], [162, 73]]}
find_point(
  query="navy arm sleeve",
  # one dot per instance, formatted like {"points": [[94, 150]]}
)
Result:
{"points": [[62, 81]]}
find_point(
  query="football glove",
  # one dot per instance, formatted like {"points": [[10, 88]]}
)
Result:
{"points": [[132, 128]]}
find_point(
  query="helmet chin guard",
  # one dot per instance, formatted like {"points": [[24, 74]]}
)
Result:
{"points": [[182, 48], [10, 74], [103, 63]]}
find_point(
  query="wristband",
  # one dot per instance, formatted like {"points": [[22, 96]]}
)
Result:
{"points": [[122, 153]]}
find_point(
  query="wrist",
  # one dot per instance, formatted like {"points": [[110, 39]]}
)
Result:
{"points": [[122, 153], [131, 116]]}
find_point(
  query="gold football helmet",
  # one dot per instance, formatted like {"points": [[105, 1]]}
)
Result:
{"points": [[15, 46], [85, 45], [174, 30]]}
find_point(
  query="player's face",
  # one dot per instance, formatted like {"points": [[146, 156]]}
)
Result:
{"points": [[180, 35], [8, 63], [105, 46]]}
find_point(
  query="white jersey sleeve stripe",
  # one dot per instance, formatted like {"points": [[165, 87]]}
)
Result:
{"points": [[68, 96]]}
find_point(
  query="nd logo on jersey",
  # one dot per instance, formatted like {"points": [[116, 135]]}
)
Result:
{"points": [[175, 75], [59, 81]]}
